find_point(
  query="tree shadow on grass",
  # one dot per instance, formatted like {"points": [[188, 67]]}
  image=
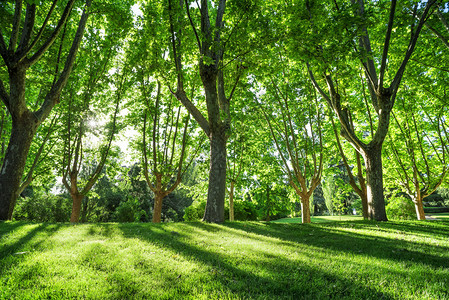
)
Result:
{"points": [[331, 236], [18, 246], [273, 277]]}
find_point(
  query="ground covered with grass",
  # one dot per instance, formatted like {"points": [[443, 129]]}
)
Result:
{"points": [[239, 260]]}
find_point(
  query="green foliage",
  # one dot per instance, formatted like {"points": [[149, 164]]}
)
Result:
{"points": [[400, 208], [130, 211], [191, 214], [195, 212], [243, 211], [43, 206]]}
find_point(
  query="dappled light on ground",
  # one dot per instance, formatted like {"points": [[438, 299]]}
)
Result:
{"points": [[353, 260]]}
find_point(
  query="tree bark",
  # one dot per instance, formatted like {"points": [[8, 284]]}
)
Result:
{"points": [[76, 207], [22, 133], [231, 202], [419, 208], [217, 178], [305, 210], [157, 211], [374, 184]]}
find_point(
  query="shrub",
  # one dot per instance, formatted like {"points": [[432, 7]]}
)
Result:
{"points": [[129, 211], [42, 207], [244, 211], [195, 211], [191, 214], [400, 208]]}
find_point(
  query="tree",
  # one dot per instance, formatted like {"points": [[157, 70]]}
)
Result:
{"points": [[382, 97], [166, 154], [19, 56], [214, 42], [295, 126], [419, 153], [358, 182]]}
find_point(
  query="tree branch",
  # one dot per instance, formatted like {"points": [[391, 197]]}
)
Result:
{"points": [[27, 28], [15, 26], [41, 30], [191, 108], [398, 77], [386, 44], [192, 25], [55, 91], [55, 33], [4, 94]]}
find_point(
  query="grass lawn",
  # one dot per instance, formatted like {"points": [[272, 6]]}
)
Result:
{"points": [[440, 215], [321, 219], [239, 260]]}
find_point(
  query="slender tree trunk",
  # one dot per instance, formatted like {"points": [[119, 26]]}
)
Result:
{"points": [[77, 199], [217, 178], [157, 211], [419, 208], [305, 210], [231, 202], [374, 184], [22, 133], [268, 204]]}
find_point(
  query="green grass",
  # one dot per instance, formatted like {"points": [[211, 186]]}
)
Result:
{"points": [[440, 215], [321, 219], [240, 260]]}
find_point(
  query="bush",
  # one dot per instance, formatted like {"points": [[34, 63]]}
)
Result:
{"points": [[129, 211], [191, 214], [195, 211], [42, 207], [401, 208], [243, 211]]}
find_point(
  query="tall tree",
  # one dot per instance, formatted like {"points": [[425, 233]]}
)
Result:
{"points": [[382, 96], [295, 126], [165, 156], [418, 152], [19, 56], [214, 61]]}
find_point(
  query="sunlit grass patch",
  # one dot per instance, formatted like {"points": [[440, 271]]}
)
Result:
{"points": [[321, 219], [353, 260]]}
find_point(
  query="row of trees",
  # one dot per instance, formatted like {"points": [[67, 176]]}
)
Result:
{"points": [[271, 86]]}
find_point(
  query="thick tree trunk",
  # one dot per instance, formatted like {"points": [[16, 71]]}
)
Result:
{"points": [[217, 178], [22, 133], [419, 208], [305, 210], [374, 184], [77, 199], [231, 202], [157, 211]]}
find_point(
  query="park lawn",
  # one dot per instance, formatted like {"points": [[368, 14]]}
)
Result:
{"points": [[441, 215], [321, 219], [239, 260]]}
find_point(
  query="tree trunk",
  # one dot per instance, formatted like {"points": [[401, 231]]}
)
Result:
{"points": [[267, 218], [374, 184], [77, 199], [305, 210], [231, 202], [157, 211], [22, 133], [364, 205], [419, 207], [217, 178]]}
